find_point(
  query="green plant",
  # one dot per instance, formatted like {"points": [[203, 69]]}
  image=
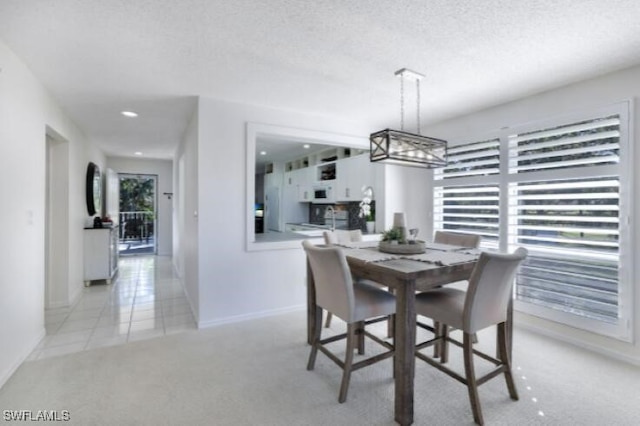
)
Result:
{"points": [[393, 234]]}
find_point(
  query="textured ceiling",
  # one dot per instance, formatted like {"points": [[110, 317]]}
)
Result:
{"points": [[330, 57]]}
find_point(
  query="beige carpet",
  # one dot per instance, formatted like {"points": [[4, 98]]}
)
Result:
{"points": [[253, 373]]}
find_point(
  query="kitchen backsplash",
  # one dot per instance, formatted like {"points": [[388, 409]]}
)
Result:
{"points": [[316, 213]]}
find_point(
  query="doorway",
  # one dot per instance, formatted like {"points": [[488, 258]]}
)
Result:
{"points": [[57, 290], [138, 214]]}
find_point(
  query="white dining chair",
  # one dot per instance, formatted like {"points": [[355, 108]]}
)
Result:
{"points": [[484, 304], [460, 239], [358, 304], [457, 239], [342, 236]]}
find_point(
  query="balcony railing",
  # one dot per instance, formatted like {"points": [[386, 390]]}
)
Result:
{"points": [[136, 226]]}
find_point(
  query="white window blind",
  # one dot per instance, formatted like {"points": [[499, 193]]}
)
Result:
{"points": [[469, 209], [464, 205], [474, 159], [571, 228], [563, 192], [584, 144]]}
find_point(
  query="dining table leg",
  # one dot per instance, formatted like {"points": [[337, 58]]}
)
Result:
{"points": [[405, 346]]}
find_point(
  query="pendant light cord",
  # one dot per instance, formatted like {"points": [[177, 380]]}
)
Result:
{"points": [[417, 104], [402, 103]]}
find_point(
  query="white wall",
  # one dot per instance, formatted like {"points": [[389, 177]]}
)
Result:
{"points": [[410, 188], [57, 287], [164, 170], [187, 236], [581, 96], [236, 284], [26, 112]]}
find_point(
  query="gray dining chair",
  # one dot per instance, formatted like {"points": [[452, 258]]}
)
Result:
{"points": [[358, 304], [455, 239], [340, 236], [484, 304]]}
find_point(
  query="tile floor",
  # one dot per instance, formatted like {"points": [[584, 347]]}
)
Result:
{"points": [[146, 300]]}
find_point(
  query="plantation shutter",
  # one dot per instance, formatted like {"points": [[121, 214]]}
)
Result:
{"points": [[463, 205], [563, 190], [568, 216]]}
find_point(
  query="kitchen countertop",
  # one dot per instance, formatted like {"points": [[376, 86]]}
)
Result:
{"points": [[269, 237], [273, 236], [311, 225]]}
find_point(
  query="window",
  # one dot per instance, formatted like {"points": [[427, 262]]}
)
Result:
{"points": [[561, 189], [470, 201]]}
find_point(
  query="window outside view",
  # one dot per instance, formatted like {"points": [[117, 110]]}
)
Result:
{"points": [[137, 214], [560, 195]]}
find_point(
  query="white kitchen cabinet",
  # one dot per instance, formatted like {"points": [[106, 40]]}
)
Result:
{"points": [[352, 174], [305, 184], [300, 182], [100, 254], [293, 211]]}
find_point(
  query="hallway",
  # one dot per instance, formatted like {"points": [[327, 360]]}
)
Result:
{"points": [[146, 300]]}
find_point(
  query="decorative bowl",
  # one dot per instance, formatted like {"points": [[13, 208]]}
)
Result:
{"points": [[415, 248]]}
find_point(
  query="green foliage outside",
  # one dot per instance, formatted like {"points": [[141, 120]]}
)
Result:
{"points": [[136, 195]]}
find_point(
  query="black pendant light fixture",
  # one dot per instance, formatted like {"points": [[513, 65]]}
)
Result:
{"points": [[404, 148]]}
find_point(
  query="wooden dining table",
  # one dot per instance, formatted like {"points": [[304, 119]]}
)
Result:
{"points": [[404, 275]]}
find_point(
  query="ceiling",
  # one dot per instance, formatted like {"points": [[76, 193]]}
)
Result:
{"points": [[331, 58]]}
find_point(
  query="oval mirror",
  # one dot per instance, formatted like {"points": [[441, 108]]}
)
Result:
{"points": [[94, 189]]}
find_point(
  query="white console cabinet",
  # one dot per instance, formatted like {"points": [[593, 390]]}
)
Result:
{"points": [[100, 254]]}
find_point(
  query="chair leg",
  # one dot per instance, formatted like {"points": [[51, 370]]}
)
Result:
{"points": [[444, 345], [348, 362], [327, 323], [391, 322], [437, 332], [360, 336], [438, 347], [504, 357], [472, 387], [314, 347]]}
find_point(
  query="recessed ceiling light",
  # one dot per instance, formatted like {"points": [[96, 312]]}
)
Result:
{"points": [[263, 152], [306, 145], [137, 153], [129, 114]]}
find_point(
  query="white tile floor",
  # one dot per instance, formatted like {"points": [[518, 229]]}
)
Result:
{"points": [[145, 300]]}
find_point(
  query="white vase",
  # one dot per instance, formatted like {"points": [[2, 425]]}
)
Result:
{"points": [[371, 227]]}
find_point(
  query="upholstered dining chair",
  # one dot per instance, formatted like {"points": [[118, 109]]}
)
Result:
{"points": [[455, 239], [358, 304], [484, 304], [340, 236]]}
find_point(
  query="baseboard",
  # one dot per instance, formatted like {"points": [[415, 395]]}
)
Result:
{"points": [[580, 343], [66, 303], [22, 358], [251, 316], [57, 305]]}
